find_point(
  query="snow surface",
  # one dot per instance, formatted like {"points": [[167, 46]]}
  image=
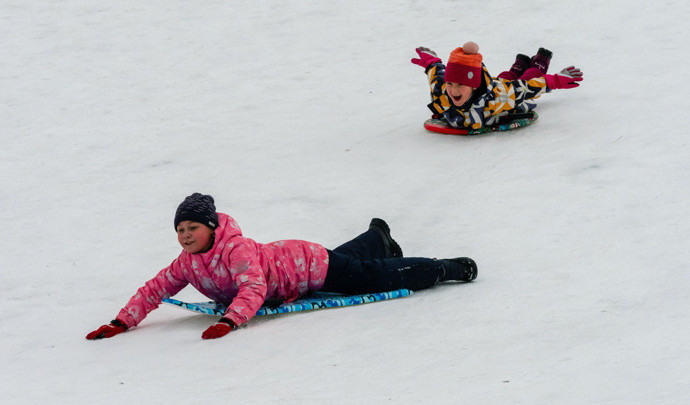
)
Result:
{"points": [[304, 120]]}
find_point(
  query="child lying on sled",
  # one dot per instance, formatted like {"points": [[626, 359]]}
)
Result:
{"points": [[464, 94], [243, 274]]}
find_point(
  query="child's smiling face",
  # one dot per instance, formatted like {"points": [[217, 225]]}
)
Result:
{"points": [[458, 93], [194, 237]]}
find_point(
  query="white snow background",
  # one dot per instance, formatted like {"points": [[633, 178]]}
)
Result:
{"points": [[304, 120]]}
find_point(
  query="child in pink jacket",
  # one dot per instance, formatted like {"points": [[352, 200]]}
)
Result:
{"points": [[229, 268]]}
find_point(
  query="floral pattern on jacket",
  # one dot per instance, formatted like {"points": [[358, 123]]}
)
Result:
{"points": [[236, 271], [494, 99]]}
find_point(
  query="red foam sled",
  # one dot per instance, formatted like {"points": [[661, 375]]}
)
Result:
{"points": [[510, 122]]}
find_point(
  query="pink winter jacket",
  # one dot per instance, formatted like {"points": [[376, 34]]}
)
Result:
{"points": [[236, 271]]}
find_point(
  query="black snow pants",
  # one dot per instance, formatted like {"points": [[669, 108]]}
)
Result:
{"points": [[360, 266]]}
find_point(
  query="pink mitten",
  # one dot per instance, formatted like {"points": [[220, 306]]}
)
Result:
{"points": [[565, 79], [426, 57]]}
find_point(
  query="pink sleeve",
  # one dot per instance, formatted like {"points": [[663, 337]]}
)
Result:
{"points": [[147, 298], [248, 275]]}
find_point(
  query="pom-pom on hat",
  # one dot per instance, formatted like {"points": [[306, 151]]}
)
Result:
{"points": [[465, 65], [198, 208]]}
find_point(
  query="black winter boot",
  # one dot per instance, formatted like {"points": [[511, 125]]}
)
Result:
{"points": [[392, 247], [459, 269]]}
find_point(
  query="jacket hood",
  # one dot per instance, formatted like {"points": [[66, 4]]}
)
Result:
{"points": [[227, 227]]}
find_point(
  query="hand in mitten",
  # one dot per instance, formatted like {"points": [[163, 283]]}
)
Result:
{"points": [[426, 57], [565, 79], [218, 329], [106, 331]]}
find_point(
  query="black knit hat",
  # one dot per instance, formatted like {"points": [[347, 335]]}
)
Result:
{"points": [[198, 208]]}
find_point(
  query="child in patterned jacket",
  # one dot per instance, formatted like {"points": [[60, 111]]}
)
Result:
{"points": [[230, 268], [466, 96]]}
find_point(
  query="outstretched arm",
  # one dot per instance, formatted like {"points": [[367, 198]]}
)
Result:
{"points": [[435, 71], [248, 275], [146, 299]]}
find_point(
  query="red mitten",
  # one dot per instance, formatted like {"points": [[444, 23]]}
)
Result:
{"points": [[115, 327], [218, 329], [565, 79], [426, 57]]}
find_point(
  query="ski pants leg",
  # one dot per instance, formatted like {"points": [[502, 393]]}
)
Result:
{"points": [[366, 246], [348, 275]]}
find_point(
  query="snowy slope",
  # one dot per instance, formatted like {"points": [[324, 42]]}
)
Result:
{"points": [[303, 120]]}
